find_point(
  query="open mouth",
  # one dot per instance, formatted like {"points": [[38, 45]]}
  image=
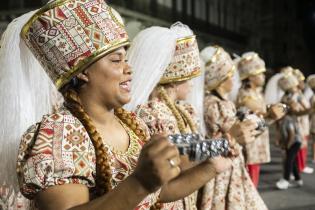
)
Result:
{"points": [[126, 85]]}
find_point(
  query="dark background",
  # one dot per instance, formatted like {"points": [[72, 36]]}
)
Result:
{"points": [[281, 31]]}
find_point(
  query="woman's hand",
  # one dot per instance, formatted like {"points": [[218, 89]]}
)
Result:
{"points": [[244, 131], [277, 111], [158, 163], [220, 164]]}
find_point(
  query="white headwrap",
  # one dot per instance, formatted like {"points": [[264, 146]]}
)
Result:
{"points": [[196, 96], [149, 55], [237, 83], [273, 93], [26, 94]]}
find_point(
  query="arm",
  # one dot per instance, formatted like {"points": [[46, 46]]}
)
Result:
{"points": [[194, 178], [152, 171], [300, 108], [63, 197], [303, 112]]}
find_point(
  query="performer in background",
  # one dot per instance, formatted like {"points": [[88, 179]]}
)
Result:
{"points": [[290, 135], [232, 189], [303, 121], [167, 59], [252, 73], [311, 84]]}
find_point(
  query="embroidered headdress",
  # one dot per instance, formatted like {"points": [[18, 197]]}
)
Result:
{"points": [[162, 55], [288, 80], [287, 70], [218, 66], [67, 36], [250, 64], [185, 63], [300, 76]]}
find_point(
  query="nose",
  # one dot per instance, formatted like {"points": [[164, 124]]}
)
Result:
{"points": [[127, 69]]}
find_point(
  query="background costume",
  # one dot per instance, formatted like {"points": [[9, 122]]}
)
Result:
{"points": [[288, 125], [66, 37], [257, 152], [304, 125], [178, 57], [232, 189], [311, 84]]}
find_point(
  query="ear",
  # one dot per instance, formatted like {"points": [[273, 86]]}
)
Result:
{"points": [[83, 76]]}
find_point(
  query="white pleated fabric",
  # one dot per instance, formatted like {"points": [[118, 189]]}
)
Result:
{"points": [[26, 94], [149, 55], [273, 93], [196, 98]]}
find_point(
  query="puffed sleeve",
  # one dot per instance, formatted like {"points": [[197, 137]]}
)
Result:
{"points": [[146, 114], [211, 115], [219, 115], [190, 109], [158, 117], [56, 151]]}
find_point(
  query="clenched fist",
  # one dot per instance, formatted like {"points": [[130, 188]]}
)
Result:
{"points": [[158, 163], [277, 111], [244, 132]]}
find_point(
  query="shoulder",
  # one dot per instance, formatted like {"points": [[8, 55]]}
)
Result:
{"points": [[187, 107], [209, 99], [243, 91], [246, 94], [151, 110], [64, 127], [157, 116], [212, 102], [59, 125], [55, 151]]}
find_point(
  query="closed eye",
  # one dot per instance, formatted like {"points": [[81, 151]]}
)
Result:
{"points": [[116, 61]]}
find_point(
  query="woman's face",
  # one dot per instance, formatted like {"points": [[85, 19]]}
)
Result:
{"points": [[293, 89], [227, 85], [109, 79], [258, 80], [183, 89], [301, 85]]}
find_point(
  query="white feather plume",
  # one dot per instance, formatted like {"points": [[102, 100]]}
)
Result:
{"points": [[149, 55], [26, 94], [273, 93]]}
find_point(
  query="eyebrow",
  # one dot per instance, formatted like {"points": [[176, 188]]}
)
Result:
{"points": [[117, 53]]}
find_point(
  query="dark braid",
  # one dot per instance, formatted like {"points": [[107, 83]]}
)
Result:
{"points": [[130, 119], [103, 171]]}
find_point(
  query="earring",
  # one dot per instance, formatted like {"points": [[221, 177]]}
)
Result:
{"points": [[74, 82]]}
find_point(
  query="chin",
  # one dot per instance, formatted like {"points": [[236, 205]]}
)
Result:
{"points": [[124, 100], [182, 98]]}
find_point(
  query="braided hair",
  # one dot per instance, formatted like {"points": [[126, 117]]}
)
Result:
{"points": [[103, 168]]}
